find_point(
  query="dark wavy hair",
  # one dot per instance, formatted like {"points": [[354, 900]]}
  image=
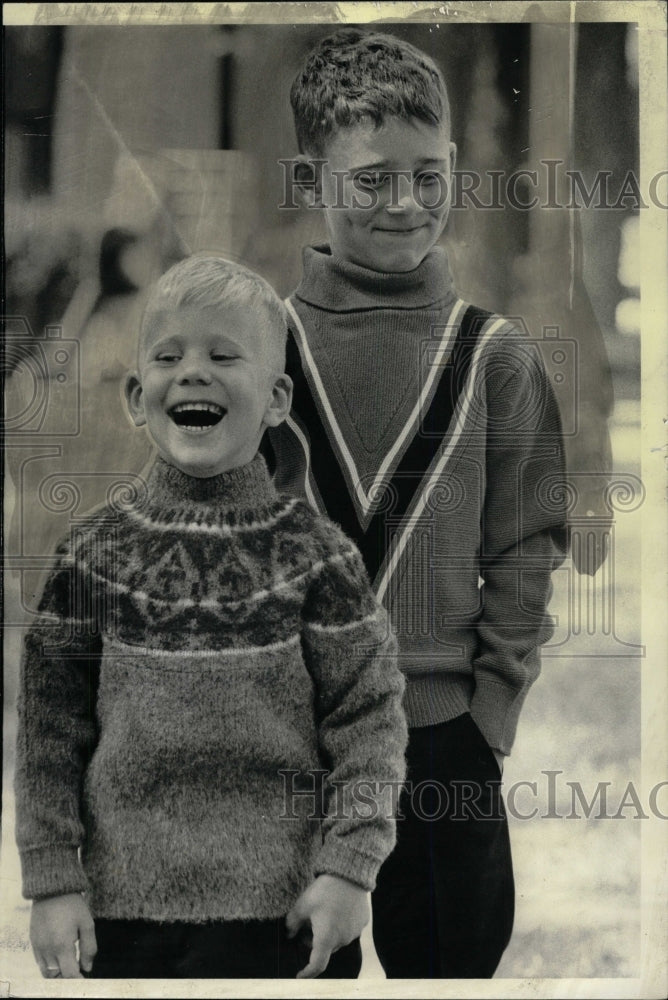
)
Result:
{"points": [[355, 74]]}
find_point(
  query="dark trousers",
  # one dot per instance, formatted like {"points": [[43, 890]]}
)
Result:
{"points": [[444, 903], [255, 949]]}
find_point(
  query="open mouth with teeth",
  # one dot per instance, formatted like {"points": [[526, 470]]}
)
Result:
{"points": [[197, 416]]}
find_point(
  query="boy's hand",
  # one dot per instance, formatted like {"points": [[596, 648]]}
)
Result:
{"points": [[56, 924], [337, 911]]}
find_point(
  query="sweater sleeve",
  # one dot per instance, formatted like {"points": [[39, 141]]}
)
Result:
{"points": [[56, 732], [350, 651], [524, 538]]}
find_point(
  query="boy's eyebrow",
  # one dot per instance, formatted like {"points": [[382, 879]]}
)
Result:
{"points": [[370, 166], [422, 162], [161, 341], [438, 160]]}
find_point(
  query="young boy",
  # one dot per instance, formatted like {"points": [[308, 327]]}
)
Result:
{"points": [[210, 707], [426, 428]]}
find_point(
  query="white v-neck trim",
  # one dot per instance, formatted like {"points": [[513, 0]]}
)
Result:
{"points": [[308, 475], [366, 502]]}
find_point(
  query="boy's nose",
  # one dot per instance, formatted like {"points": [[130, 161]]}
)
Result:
{"points": [[401, 200], [193, 372]]}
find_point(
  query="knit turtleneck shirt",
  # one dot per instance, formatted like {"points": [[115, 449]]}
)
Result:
{"points": [[208, 681], [428, 430]]}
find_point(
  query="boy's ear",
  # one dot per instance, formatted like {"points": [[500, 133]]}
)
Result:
{"points": [[280, 402], [134, 397], [453, 156], [307, 175]]}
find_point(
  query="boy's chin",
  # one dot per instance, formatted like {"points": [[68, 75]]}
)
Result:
{"points": [[400, 263], [199, 470], [405, 264], [399, 260]]}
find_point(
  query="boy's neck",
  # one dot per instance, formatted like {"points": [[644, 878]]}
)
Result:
{"points": [[244, 486], [326, 276]]}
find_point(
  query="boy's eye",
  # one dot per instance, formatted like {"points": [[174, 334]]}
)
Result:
{"points": [[428, 178], [369, 178], [168, 358], [222, 356]]}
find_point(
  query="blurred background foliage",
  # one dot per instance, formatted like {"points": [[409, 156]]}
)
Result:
{"points": [[82, 102], [173, 135]]}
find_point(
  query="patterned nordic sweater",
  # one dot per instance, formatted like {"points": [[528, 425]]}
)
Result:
{"points": [[189, 648], [427, 429]]}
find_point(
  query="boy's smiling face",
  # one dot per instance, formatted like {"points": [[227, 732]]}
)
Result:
{"points": [[208, 384], [386, 191]]}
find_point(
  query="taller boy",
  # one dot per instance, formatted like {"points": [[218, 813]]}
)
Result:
{"points": [[426, 428]]}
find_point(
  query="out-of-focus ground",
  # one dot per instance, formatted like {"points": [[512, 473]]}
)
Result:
{"points": [[577, 880]]}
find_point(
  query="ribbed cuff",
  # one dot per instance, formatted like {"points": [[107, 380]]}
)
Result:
{"points": [[51, 871], [354, 866]]}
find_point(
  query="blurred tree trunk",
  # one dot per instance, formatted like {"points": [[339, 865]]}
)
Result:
{"points": [[550, 294]]}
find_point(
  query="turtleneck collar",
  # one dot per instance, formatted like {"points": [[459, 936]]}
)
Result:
{"points": [[330, 282], [244, 491]]}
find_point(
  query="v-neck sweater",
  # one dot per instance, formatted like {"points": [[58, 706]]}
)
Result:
{"points": [[208, 679], [429, 431]]}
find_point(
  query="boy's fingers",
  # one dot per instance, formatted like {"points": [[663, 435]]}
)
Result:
{"points": [[87, 947], [321, 950], [67, 962], [49, 966], [318, 962]]}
